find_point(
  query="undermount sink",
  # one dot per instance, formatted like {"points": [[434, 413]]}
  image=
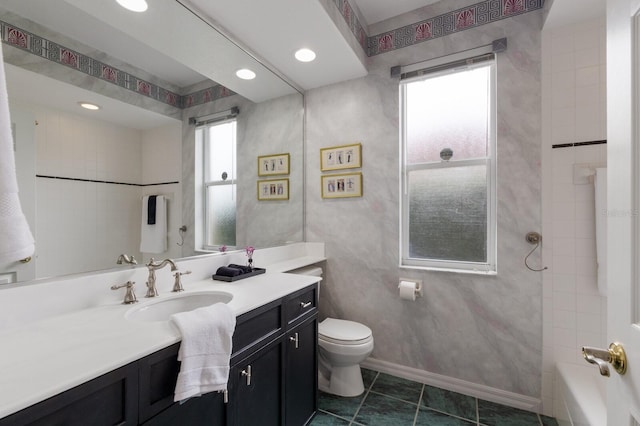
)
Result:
{"points": [[162, 309]]}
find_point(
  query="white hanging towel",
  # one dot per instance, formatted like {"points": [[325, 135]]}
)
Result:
{"points": [[153, 237], [205, 349], [16, 240], [600, 184]]}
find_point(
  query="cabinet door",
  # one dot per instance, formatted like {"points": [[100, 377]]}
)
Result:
{"points": [[111, 399], [158, 373], [301, 371], [256, 388], [208, 409]]}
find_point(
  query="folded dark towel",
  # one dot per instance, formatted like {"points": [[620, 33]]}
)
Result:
{"points": [[226, 271], [244, 269], [151, 210]]}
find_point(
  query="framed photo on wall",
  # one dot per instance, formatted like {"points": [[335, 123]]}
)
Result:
{"points": [[277, 164], [273, 189], [341, 157], [342, 185]]}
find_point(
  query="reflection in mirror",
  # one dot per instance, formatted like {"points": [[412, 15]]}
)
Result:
{"points": [[83, 175]]}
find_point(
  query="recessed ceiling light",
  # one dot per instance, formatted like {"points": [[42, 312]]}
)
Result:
{"points": [[89, 105], [246, 74], [134, 5], [305, 55]]}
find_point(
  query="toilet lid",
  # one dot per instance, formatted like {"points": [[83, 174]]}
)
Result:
{"points": [[343, 330]]}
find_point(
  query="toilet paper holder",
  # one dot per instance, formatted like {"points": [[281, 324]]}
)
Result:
{"points": [[418, 284]]}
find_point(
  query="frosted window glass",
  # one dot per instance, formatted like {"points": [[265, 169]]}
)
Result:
{"points": [[448, 111], [221, 215], [448, 214], [219, 181], [221, 152]]}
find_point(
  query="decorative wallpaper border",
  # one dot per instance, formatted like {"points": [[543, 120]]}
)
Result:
{"points": [[47, 49], [478, 14], [461, 19], [354, 23]]}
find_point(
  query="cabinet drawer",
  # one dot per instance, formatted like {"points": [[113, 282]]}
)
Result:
{"points": [[256, 326], [301, 303]]}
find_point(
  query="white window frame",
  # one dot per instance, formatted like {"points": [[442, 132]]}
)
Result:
{"points": [[202, 151], [490, 266]]}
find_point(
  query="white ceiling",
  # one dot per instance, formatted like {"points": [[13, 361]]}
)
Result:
{"points": [[70, 21], [28, 87], [276, 29], [566, 12], [374, 11]]}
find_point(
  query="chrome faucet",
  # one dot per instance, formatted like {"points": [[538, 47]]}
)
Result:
{"points": [[124, 258], [152, 291]]}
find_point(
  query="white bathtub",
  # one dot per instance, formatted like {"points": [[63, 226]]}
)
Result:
{"points": [[582, 398]]}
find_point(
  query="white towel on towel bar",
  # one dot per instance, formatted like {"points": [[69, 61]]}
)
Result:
{"points": [[16, 240], [153, 238], [600, 187], [205, 350]]}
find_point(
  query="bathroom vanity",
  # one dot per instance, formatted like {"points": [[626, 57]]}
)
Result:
{"points": [[272, 380]]}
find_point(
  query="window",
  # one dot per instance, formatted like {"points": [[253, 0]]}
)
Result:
{"points": [[448, 168], [218, 183]]}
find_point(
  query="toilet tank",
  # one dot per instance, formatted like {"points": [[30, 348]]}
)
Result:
{"points": [[314, 271]]}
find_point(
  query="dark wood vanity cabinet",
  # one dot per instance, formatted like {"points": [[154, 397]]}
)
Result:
{"points": [[256, 387], [272, 380], [301, 372], [111, 399]]}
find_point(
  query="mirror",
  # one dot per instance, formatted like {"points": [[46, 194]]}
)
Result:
{"points": [[93, 169]]}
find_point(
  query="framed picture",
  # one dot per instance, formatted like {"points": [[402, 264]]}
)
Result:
{"points": [[342, 185], [341, 157], [273, 189], [277, 164]]}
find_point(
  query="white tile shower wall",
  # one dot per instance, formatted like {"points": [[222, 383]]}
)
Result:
{"points": [[86, 224], [574, 110], [162, 163]]}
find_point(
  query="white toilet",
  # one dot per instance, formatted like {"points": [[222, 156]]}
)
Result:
{"points": [[342, 346]]}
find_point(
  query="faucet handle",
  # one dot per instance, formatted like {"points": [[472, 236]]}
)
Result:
{"points": [[177, 285], [129, 296]]}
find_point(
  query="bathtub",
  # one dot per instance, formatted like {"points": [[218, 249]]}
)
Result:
{"points": [[581, 396]]}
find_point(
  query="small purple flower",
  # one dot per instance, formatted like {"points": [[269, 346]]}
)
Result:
{"points": [[223, 248], [249, 250]]}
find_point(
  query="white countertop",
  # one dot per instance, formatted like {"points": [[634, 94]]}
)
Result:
{"points": [[47, 357]]}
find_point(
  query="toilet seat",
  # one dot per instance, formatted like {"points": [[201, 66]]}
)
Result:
{"points": [[343, 332]]}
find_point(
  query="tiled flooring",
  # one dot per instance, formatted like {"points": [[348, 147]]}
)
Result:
{"points": [[389, 400]]}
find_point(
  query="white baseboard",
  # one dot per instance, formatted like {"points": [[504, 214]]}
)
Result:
{"points": [[487, 393]]}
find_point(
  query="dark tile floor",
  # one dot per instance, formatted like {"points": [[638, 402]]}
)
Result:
{"points": [[390, 400]]}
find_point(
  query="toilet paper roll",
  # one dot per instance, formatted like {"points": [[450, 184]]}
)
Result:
{"points": [[407, 290]]}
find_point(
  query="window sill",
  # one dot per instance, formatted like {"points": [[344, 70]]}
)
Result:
{"points": [[453, 270]]}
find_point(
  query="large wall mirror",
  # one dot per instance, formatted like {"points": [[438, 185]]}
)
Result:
{"points": [[83, 175]]}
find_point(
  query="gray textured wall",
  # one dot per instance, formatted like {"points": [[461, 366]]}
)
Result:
{"points": [[482, 329]]}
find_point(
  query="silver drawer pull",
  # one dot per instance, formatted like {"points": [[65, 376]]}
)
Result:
{"points": [[304, 305], [295, 339], [247, 373]]}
